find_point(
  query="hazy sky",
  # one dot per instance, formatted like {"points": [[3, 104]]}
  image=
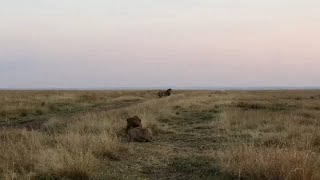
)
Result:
{"points": [[135, 43]]}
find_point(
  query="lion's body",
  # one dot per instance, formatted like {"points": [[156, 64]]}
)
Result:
{"points": [[140, 134]]}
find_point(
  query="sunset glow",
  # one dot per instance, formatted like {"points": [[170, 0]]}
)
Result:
{"points": [[212, 43]]}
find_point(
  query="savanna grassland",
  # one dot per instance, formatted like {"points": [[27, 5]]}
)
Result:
{"points": [[197, 135]]}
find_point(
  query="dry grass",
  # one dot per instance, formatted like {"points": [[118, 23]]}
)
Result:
{"points": [[23, 104], [73, 147], [269, 163], [198, 135]]}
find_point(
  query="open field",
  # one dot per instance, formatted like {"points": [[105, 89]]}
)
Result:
{"points": [[198, 135]]}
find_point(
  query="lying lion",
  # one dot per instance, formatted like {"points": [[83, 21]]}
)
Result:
{"points": [[140, 134], [135, 132], [133, 122]]}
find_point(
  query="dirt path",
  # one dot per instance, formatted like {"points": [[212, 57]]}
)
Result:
{"points": [[183, 154], [179, 153], [36, 122]]}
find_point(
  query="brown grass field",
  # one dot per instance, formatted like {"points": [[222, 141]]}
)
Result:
{"points": [[270, 135]]}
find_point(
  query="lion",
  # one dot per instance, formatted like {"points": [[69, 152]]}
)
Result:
{"points": [[140, 134], [164, 93], [133, 122]]}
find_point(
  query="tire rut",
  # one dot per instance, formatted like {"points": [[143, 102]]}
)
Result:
{"points": [[36, 123]]}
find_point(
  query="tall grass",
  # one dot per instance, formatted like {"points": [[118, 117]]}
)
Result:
{"points": [[252, 162], [73, 147], [250, 135]]}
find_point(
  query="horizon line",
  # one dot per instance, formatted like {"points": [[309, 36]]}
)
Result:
{"points": [[179, 88]]}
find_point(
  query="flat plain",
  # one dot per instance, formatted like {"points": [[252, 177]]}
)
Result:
{"points": [[197, 135]]}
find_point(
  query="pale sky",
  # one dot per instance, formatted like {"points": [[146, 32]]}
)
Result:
{"points": [[168, 43]]}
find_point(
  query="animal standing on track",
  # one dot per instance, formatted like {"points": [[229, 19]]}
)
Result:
{"points": [[164, 93]]}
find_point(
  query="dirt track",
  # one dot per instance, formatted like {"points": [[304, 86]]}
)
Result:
{"points": [[36, 122]]}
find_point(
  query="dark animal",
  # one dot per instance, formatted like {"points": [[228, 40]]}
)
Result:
{"points": [[133, 122], [164, 93], [140, 134]]}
